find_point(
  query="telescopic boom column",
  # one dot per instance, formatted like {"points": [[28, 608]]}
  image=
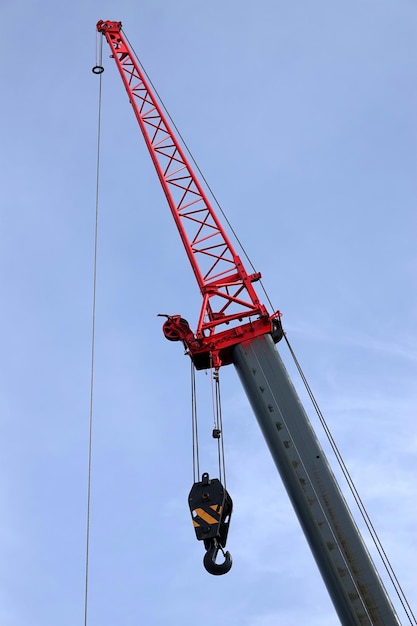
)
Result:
{"points": [[350, 576]]}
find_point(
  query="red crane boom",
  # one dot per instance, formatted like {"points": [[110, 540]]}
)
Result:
{"points": [[231, 311]]}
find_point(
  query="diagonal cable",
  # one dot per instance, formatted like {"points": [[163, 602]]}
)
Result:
{"points": [[93, 325]]}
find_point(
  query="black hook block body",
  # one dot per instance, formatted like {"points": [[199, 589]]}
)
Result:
{"points": [[211, 509]]}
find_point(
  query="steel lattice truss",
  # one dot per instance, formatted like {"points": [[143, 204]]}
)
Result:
{"points": [[227, 290]]}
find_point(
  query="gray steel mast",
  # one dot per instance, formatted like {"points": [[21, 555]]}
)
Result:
{"points": [[348, 571]]}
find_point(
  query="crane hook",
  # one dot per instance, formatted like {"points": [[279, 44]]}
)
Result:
{"points": [[209, 560]]}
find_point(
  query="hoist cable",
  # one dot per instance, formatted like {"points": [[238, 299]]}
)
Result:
{"points": [[216, 427], [194, 426], [373, 533], [93, 325], [99, 50], [218, 422]]}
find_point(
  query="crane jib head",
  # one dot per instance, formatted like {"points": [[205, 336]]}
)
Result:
{"points": [[216, 348], [103, 25]]}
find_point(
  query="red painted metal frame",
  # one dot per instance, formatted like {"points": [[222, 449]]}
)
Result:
{"points": [[226, 287]]}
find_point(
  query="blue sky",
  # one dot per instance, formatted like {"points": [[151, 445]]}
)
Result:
{"points": [[302, 117]]}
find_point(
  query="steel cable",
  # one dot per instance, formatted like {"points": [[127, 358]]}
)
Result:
{"points": [[374, 535], [93, 324], [194, 426]]}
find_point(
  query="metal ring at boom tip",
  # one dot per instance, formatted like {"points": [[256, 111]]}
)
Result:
{"points": [[98, 69]]}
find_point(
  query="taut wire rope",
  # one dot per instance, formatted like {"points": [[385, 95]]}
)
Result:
{"points": [[218, 422], [93, 327], [194, 425], [364, 513], [217, 425]]}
